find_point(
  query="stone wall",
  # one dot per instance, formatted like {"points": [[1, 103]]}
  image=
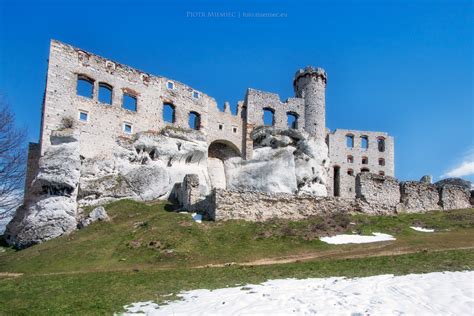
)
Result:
{"points": [[259, 206], [419, 196], [378, 194], [454, 197], [32, 165], [190, 191]]}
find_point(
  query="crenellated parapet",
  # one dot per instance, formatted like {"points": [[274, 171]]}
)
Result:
{"points": [[309, 71]]}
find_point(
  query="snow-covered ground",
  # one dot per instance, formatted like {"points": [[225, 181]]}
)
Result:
{"points": [[439, 293], [421, 229], [356, 239]]}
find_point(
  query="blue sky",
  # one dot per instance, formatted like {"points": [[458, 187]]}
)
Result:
{"points": [[405, 67]]}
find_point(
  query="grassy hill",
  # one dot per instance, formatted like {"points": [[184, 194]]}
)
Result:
{"points": [[147, 252]]}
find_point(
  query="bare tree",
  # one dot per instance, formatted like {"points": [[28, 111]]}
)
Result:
{"points": [[12, 161]]}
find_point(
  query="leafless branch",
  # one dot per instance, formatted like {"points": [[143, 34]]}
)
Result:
{"points": [[12, 161]]}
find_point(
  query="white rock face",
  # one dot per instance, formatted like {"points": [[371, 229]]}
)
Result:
{"points": [[51, 211], [271, 170], [97, 214], [146, 168], [216, 170], [45, 219], [283, 161], [152, 166]]}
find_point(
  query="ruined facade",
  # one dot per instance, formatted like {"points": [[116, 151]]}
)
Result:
{"points": [[111, 132], [120, 101]]}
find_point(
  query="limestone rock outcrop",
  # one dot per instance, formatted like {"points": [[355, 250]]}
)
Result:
{"points": [[454, 181], [97, 214], [146, 167], [51, 211], [284, 160]]}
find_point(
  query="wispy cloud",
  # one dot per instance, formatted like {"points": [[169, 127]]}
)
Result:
{"points": [[464, 168]]}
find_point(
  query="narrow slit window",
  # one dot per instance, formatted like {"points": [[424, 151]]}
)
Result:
{"points": [[221, 127], [129, 102], [105, 93], [292, 119], [350, 141], [85, 87], [234, 129], [194, 120], [168, 113], [365, 160], [268, 117], [364, 142]]}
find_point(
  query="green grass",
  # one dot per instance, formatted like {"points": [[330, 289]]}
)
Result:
{"points": [[146, 252], [142, 235], [106, 292]]}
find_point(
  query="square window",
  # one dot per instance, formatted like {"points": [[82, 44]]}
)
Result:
{"points": [[221, 127], [129, 102], [195, 94], [127, 128], [83, 116], [170, 85]]}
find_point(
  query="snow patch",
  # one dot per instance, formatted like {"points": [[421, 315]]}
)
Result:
{"points": [[356, 239], [421, 229], [197, 217], [439, 293]]}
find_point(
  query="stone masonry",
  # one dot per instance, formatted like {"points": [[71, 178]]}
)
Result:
{"points": [[100, 124], [376, 195]]}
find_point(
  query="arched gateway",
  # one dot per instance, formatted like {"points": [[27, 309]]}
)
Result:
{"points": [[218, 152]]}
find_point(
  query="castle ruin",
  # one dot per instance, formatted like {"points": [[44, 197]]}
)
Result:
{"points": [[123, 101], [109, 131]]}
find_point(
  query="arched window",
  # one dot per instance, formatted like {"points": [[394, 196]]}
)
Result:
{"points": [[129, 102], [194, 120], [365, 170], [350, 141], [381, 144], [364, 142], [365, 160], [292, 120], [381, 162], [350, 172], [268, 117], [350, 159], [85, 86], [168, 113], [105, 93]]}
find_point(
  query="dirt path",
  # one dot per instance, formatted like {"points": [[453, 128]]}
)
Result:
{"points": [[327, 255], [377, 251]]}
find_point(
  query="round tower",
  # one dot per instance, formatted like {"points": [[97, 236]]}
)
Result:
{"points": [[310, 84]]}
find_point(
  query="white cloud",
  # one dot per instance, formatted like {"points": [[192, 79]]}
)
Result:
{"points": [[464, 168]]}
